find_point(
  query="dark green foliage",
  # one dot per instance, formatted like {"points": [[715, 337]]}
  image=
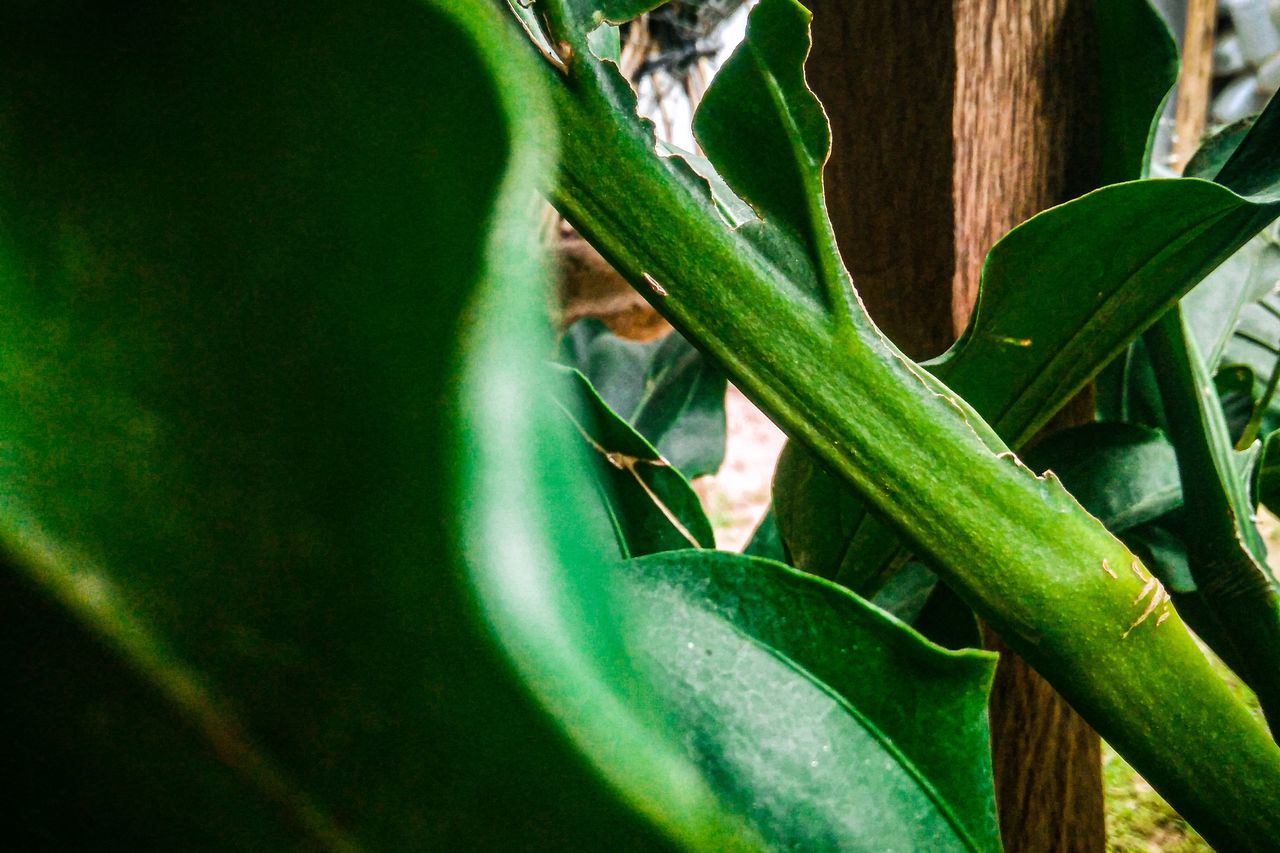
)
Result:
{"points": [[647, 505], [305, 547], [669, 392]]}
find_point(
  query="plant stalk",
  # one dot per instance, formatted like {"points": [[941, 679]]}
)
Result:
{"points": [[1016, 547]]}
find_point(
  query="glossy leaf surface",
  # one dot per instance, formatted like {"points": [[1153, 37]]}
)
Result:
{"points": [[669, 392], [649, 505], [822, 744], [824, 374]]}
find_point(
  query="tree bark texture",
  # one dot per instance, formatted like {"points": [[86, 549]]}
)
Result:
{"points": [[885, 72], [952, 122]]}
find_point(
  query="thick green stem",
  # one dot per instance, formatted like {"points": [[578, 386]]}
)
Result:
{"points": [[1016, 547]]}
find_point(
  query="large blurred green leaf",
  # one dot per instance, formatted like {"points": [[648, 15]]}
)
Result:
{"points": [[293, 531], [669, 392], [823, 743], [236, 245]]}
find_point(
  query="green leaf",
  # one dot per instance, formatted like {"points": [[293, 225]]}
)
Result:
{"points": [[767, 135], [669, 392], [1253, 351], [766, 540], [1255, 341], [907, 592], [1068, 290], [621, 11], [826, 528], [1216, 150], [1062, 295], [1127, 391], [1168, 557], [234, 610], [918, 454], [1137, 64], [1125, 475], [649, 505], [526, 14], [1213, 308], [893, 750], [1268, 480], [1226, 555], [945, 618], [606, 43], [735, 211], [1235, 386], [1251, 170], [1128, 476]]}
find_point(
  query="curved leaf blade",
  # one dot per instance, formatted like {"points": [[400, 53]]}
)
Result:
{"points": [[229, 459], [768, 138], [650, 505], [824, 727], [1066, 291], [668, 391]]}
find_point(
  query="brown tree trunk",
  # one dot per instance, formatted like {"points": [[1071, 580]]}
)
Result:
{"points": [[1024, 133], [885, 72], [951, 123]]}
